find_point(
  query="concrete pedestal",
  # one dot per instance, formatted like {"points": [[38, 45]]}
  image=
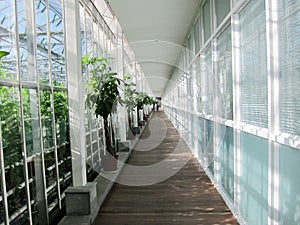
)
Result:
{"points": [[82, 201]]}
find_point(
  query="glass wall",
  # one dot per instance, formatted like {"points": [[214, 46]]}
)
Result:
{"points": [[35, 148], [34, 111], [246, 116]]}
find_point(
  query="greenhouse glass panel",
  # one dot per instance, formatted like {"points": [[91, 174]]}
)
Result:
{"points": [[51, 178], [46, 118], [289, 185], [289, 62], [95, 39], [224, 73], [82, 30], [34, 169], [254, 179], [254, 87], [12, 151], [8, 65], [42, 42], [61, 117], [65, 167], [226, 160], [57, 47], [24, 41], [31, 121], [88, 32]]}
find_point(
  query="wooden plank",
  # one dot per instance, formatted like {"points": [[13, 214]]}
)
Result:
{"points": [[188, 197]]}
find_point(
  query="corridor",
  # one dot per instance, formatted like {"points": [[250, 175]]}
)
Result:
{"points": [[187, 197]]}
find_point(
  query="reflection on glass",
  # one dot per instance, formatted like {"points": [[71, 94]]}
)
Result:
{"points": [[65, 167], [46, 117], [31, 121], [226, 160], [51, 177], [224, 73], [61, 116], [289, 185], [12, 151], [254, 179], [33, 191]]}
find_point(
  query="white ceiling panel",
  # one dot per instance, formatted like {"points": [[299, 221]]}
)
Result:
{"points": [[155, 30]]}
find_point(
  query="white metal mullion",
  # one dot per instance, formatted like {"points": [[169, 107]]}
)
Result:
{"points": [[90, 117], [216, 114], [3, 181], [236, 57], [52, 102], [24, 150], [35, 72], [273, 109]]}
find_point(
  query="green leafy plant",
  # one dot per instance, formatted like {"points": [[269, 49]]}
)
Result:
{"points": [[102, 92], [3, 53]]}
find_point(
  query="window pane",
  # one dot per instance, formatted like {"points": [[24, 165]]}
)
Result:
{"points": [[57, 43], [42, 41], [208, 145], [46, 117], [61, 116], [224, 73], [206, 20], [222, 9], [31, 121], [254, 179], [226, 160], [254, 87], [289, 57], [289, 185], [197, 36], [7, 39], [12, 152], [207, 78]]}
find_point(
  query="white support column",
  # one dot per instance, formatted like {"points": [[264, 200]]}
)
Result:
{"points": [[120, 70], [273, 112], [216, 113], [75, 91], [236, 58]]}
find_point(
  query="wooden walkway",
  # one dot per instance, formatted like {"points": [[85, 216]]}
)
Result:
{"points": [[149, 196]]}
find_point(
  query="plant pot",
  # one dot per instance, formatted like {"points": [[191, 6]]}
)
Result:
{"points": [[109, 162]]}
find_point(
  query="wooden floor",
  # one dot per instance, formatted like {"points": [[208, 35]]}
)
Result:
{"points": [[145, 195]]}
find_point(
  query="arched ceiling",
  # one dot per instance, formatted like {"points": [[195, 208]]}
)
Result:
{"points": [[155, 30]]}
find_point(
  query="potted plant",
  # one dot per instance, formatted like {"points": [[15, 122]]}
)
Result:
{"points": [[143, 100], [131, 102], [103, 96]]}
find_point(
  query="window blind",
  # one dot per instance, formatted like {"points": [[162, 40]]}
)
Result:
{"points": [[254, 93], [289, 61]]}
